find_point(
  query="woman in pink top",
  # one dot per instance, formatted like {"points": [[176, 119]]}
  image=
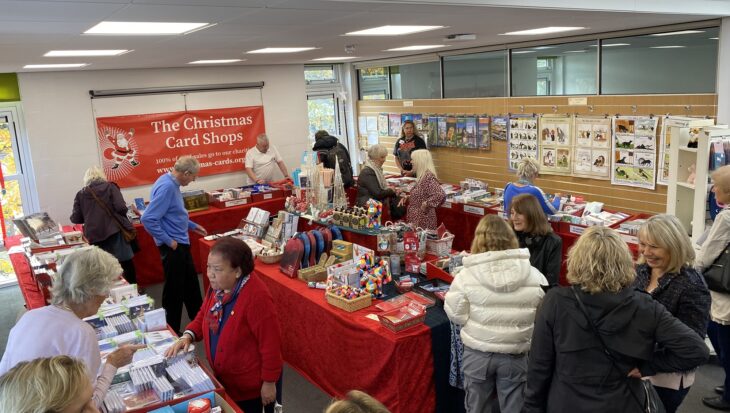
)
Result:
{"points": [[427, 195]]}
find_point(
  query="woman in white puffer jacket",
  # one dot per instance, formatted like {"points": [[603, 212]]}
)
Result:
{"points": [[495, 298]]}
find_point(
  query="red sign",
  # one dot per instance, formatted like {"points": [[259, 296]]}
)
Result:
{"points": [[137, 149]]}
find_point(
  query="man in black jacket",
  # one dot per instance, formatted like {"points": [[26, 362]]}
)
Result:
{"points": [[328, 147]]}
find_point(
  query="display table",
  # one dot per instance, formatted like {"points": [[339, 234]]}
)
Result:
{"points": [[32, 295], [147, 261], [340, 351]]}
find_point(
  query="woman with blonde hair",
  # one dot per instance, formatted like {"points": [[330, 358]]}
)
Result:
{"points": [[665, 271], [57, 384], [427, 194], [494, 298], [357, 402], [569, 370], [100, 206], [527, 171]]}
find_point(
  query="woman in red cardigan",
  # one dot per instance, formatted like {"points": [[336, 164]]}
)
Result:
{"points": [[239, 328]]}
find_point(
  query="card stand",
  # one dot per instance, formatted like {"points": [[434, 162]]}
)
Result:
{"points": [[349, 305], [577, 229], [253, 229], [148, 407]]}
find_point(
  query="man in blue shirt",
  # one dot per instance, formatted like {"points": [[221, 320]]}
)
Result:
{"points": [[167, 220]]}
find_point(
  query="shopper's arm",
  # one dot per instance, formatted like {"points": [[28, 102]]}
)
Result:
{"points": [[157, 208]]}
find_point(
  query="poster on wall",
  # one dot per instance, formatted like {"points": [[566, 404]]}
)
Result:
{"points": [[484, 138], [450, 140], [498, 128], [634, 151], [383, 124], [432, 131], [591, 141], [136, 149], [371, 128], [522, 139], [442, 132], [394, 124], [555, 144]]}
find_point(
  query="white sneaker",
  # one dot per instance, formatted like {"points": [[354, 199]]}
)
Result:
{"points": [[278, 408]]}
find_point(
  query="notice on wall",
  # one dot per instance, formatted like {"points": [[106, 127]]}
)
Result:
{"points": [[634, 151], [136, 149], [383, 124], [591, 140], [522, 139], [555, 145]]}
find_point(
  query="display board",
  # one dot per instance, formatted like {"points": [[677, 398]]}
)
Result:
{"points": [[456, 164]]}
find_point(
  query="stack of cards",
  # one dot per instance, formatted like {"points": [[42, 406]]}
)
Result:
{"points": [[113, 403]]}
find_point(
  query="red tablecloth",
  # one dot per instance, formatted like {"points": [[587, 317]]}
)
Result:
{"points": [[32, 295], [215, 220], [340, 351]]}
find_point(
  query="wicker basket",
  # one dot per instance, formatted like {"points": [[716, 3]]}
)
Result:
{"points": [[349, 305], [270, 259], [400, 326], [440, 247]]}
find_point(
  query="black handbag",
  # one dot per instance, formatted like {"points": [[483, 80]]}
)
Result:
{"points": [[652, 403], [717, 275]]}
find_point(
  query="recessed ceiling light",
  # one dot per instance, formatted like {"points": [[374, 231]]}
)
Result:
{"points": [[714, 38], [542, 30], [666, 47], [392, 30], [76, 53], [55, 66], [574, 51], [335, 58], [282, 50], [679, 32], [144, 28], [523, 52], [213, 62], [416, 47]]}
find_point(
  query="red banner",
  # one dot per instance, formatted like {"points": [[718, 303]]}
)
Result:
{"points": [[137, 149]]}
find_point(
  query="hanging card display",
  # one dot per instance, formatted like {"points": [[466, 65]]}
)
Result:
{"points": [[432, 131], [634, 151], [450, 131], [470, 132], [442, 132], [383, 124], [522, 139], [484, 139], [591, 138], [555, 144], [498, 128], [394, 124]]}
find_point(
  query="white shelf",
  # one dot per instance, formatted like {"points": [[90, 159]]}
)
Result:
{"points": [[686, 185], [686, 149]]}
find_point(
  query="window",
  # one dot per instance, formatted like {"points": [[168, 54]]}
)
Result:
{"points": [[416, 81], [374, 83], [476, 75], [322, 114], [685, 62], [561, 69], [320, 74]]}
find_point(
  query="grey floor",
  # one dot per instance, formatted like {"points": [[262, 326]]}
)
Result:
{"points": [[300, 396]]}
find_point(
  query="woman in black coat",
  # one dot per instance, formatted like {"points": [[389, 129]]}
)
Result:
{"points": [[568, 369], [371, 183], [534, 233]]}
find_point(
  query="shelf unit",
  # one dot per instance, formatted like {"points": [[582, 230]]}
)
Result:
{"points": [[686, 201]]}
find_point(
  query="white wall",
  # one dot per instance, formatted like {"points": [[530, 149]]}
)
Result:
{"points": [[61, 131], [723, 73]]}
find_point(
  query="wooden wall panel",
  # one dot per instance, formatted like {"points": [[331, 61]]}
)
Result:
{"points": [[453, 164]]}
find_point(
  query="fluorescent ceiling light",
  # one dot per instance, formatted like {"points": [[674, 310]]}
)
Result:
{"points": [[144, 28], [714, 38], [666, 47], [55, 66], [282, 50], [76, 53], [544, 47], [416, 47], [523, 52], [574, 51], [615, 44], [679, 32], [212, 62], [335, 58], [542, 30], [392, 30]]}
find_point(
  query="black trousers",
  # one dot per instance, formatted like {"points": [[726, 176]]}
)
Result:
{"points": [[130, 273], [255, 406], [181, 284]]}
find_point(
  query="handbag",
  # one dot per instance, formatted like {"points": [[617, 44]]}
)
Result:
{"points": [[652, 403], [717, 275], [128, 234]]}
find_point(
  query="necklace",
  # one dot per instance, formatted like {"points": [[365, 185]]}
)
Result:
{"points": [[523, 181]]}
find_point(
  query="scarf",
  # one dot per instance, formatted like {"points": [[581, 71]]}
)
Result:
{"points": [[378, 173], [221, 299]]}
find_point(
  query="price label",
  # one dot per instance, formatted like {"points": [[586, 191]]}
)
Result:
{"points": [[473, 210], [235, 202], [574, 229], [268, 196], [447, 205]]}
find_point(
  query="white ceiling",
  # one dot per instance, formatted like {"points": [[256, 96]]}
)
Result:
{"points": [[30, 28]]}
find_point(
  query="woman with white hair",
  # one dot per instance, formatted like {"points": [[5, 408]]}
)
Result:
{"points": [[568, 368], [55, 384], [80, 287], [371, 182], [527, 171], [99, 205], [427, 195], [665, 271]]}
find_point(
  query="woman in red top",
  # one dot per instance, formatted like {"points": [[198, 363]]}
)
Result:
{"points": [[427, 195], [239, 328]]}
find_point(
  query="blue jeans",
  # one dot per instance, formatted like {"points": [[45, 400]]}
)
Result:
{"points": [[485, 372], [720, 337]]}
